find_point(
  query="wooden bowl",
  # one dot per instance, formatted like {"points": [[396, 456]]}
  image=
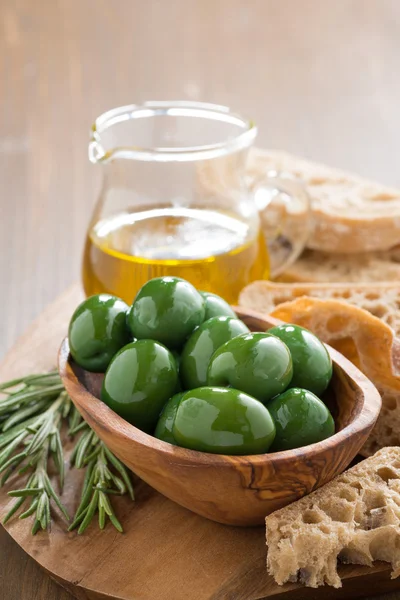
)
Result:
{"points": [[235, 490]]}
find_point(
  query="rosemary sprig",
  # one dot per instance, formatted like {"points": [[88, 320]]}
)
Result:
{"points": [[105, 475], [39, 438], [32, 412]]}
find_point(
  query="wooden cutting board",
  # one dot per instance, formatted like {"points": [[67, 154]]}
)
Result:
{"points": [[166, 552]]}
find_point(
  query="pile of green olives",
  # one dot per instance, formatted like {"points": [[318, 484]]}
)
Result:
{"points": [[181, 366]]}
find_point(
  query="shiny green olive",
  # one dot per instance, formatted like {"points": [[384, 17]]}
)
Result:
{"points": [[163, 430], [140, 379], [201, 346], [97, 331], [300, 419], [166, 309], [312, 364], [256, 363], [223, 421], [216, 306]]}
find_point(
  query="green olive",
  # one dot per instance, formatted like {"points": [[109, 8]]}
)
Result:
{"points": [[139, 380], [312, 364], [300, 419], [256, 363], [165, 423], [97, 331], [216, 306], [202, 344], [166, 309], [222, 421]]}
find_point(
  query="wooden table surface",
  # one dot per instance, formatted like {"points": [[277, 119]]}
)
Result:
{"points": [[320, 78]]}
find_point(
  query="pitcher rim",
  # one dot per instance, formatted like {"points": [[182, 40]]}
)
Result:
{"points": [[244, 138]]}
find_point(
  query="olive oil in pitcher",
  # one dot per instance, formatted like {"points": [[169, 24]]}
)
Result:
{"points": [[215, 251], [177, 199]]}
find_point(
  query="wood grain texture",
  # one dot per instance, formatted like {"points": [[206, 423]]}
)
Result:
{"points": [[166, 553], [319, 78]]}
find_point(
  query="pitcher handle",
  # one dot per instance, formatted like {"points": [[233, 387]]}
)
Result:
{"points": [[285, 213]]}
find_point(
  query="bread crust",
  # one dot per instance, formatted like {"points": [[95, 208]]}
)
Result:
{"points": [[381, 299], [350, 214]]}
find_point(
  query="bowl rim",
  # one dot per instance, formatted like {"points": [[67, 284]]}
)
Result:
{"points": [[365, 417]]}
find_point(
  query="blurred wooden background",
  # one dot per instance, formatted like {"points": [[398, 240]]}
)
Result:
{"points": [[320, 78]]}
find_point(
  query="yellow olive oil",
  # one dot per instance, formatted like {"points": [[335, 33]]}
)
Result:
{"points": [[215, 251]]}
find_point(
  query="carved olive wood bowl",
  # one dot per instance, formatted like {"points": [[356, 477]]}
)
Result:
{"points": [[235, 490]]}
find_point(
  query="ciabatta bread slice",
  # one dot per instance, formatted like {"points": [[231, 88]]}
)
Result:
{"points": [[380, 299], [367, 267], [365, 340], [319, 267], [355, 518], [350, 214]]}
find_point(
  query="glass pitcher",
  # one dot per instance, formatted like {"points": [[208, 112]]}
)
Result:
{"points": [[176, 200]]}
